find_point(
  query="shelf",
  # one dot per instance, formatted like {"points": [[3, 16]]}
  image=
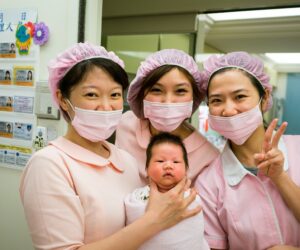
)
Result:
{"points": [[18, 59], [17, 87], [15, 142], [27, 116]]}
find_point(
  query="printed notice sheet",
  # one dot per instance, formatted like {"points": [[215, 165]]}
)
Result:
{"points": [[23, 104], [23, 131]]}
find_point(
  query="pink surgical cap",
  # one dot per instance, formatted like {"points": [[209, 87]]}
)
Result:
{"points": [[59, 67], [241, 60], [154, 61]]}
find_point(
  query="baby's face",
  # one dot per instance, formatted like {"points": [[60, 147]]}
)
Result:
{"points": [[166, 166]]}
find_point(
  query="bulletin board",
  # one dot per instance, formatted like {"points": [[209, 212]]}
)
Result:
{"points": [[19, 70]]}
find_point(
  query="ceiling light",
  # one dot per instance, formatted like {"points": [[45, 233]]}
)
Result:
{"points": [[252, 14], [284, 58]]}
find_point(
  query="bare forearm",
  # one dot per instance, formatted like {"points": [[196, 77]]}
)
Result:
{"points": [[128, 238], [290, 193], [164, 210], [283, 247]]}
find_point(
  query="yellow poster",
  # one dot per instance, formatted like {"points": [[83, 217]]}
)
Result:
{"points": [[24, 76]]}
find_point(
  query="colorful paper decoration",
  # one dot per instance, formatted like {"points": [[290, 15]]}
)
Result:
{"points": [[23, 39], [41, 33], [25, 32]]}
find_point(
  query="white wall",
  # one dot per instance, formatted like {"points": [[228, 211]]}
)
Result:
{"points": [[281, 85], [61, 18]]}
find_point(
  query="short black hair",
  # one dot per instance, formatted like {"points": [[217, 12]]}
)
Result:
{"points": [[165, 137], [80, 70]]}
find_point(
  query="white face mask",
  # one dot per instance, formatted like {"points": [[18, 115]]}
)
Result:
{"points": [[167, 117], [95, 125], [237, 128]]}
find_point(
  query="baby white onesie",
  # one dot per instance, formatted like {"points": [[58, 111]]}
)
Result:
{"points": [[188, 234]]}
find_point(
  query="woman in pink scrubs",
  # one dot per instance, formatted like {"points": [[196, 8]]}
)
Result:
{"points": [[163, 96], [73, 189], [250, 194]]}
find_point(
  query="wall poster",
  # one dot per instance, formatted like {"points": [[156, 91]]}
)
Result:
{"points": [[19, 64]]}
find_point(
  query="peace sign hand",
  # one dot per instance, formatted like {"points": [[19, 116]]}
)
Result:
{"points": [[271, 160]]}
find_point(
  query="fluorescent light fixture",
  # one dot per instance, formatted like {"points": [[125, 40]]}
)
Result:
{"points": [[284, 58], [252, 14]]}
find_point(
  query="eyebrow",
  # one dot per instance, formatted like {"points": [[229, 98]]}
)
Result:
{"points": [[177, 85], [184, 84], [92, 86], [234, 92]]}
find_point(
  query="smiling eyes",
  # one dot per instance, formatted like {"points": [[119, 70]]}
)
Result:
{"points": [[157, 90], [217, 100], [116, 94], [113, 95]]}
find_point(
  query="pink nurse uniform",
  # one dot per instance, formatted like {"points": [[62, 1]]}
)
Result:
{"points": [[245, 211], [72, 196]]}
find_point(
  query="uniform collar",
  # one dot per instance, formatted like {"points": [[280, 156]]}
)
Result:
{"points": [[79, 153], [142, 131], [234, 171]]}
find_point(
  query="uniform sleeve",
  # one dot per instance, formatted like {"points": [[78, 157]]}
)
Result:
{"points": [[53, 210], [207, 187]]}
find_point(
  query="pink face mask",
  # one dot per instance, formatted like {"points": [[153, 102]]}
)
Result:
{"points": [[167, 117], [237, 128], [95, 125]]}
